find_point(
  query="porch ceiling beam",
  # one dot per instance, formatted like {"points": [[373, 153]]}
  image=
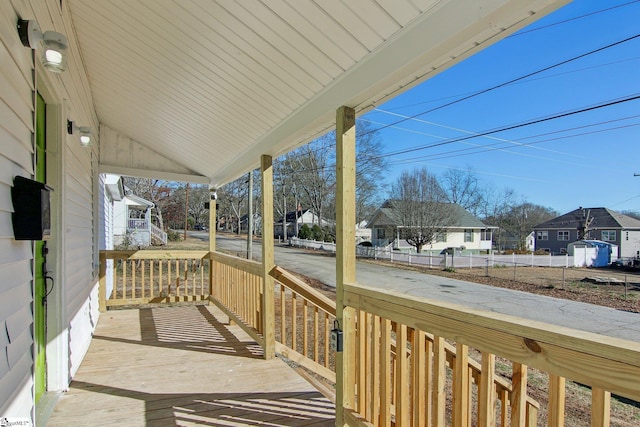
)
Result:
{"points": [[154, 174]]}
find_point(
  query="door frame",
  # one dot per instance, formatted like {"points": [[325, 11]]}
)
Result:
{"points": [[57, 345]]}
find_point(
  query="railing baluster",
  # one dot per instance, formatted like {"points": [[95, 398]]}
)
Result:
{"points": [[600, 407], [369, 379], [556, 400], [124, 278], [361, 360], [374, 400], [169, 280], [316, 334], [143, 284], [504, 408], [152, 267], [385, 373], [294, 321], [439, 380], [326, 339], [486, 392], [305, 341], [519, 395], [419, 364], [283, 315], [134, 273]]}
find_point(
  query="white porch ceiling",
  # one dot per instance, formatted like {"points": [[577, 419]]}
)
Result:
{"points": [[213, 84]]}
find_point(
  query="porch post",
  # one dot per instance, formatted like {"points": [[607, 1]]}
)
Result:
{"points": [[213, 198], [212, 219], [345, 256], [268, 260]]}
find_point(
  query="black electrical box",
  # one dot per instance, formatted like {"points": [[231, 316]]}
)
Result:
{"points": [[31, 209]]}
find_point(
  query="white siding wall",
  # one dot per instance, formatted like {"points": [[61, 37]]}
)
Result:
{"points": [[16, 257], [106, 210], [76, 282], [629, 248]]}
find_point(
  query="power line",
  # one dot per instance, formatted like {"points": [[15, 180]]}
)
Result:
{"points": [[491, 147], [575, 18], [516, 126], [503, 147], [550, 76], [483, 91]]}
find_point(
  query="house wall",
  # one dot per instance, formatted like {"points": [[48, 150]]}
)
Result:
{"points": [[106, 209], [72, 303], [629, 245], [552, 244], [120, 218], [455, 239]]}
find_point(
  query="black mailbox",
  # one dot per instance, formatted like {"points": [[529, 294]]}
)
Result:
{"points": [[31, 209]]}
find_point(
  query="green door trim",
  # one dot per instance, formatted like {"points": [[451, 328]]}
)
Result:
{"points": [[39, 323]]}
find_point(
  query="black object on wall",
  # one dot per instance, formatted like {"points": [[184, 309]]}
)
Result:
{"points": [[31, 209]]}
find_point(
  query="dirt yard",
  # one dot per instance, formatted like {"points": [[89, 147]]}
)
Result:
{"points": [[605, 287]]}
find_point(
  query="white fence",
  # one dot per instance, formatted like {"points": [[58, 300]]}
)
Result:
{"points": [[444, 261]]}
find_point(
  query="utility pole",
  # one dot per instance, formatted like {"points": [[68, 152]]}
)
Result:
{"points": [[295, 195], [186, 211], [250, 219], [284, 217]]}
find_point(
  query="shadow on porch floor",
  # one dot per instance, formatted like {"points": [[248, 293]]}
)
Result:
{"points": [[184, 366]]}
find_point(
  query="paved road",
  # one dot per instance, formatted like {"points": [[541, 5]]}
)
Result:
{"points": [[576, 315]]}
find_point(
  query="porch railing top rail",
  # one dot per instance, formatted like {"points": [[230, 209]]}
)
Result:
{"points": [[596, 360]]}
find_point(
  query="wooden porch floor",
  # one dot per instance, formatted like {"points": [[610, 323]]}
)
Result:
{"points": [[184, 366]]}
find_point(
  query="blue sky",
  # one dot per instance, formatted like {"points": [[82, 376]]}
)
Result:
{"points": [[584, 159]]}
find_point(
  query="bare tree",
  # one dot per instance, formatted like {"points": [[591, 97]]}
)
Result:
{"points": [[154, 190], [421, 208], [520, 219], [307, 175], [232, 199], [494, 208], [198, 196], [463, 188]]}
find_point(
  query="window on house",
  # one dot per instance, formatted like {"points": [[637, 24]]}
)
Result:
{"points": [[609, 235], [380, 233], [485, 234], [468, 235], [542, 235], [563, 235]]}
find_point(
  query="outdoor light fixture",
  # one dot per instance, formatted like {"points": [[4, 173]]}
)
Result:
{"points": [[83, 131], [54, 45]]}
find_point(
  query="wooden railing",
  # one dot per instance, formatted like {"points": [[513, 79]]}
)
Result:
{"points": [[158, 234], [237, 290], [412, 388], [141, 277], [304, 318], [138, 224], [410, 356]]}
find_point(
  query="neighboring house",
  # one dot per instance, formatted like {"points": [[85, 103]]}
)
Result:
{"points": [[363, 232], [303, 217], [257, 223], [508, 241], [113, 193], [132, 221], [590, 224], [468, 234], [530, 244]]}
